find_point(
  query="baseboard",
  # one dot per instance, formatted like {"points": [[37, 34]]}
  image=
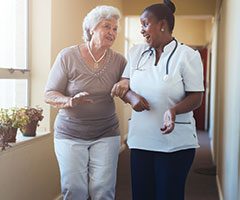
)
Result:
{"points": [[212, 151], [60, 197], [220, 194]]}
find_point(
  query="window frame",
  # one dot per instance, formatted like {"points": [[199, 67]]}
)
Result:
{"points": [[15, 73]]}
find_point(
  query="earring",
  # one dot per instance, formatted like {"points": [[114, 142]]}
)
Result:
{"points": [[162, 29]]}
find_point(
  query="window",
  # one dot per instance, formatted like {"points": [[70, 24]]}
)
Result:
{"points": [[14, 72], [132, 32]]}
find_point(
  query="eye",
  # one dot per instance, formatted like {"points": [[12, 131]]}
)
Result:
{"points": [[145, 24], [106, 26]]}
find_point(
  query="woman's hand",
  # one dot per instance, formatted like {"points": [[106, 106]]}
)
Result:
{"points": [[120, 88], [169, 119], [59, 100], [80, 98]]}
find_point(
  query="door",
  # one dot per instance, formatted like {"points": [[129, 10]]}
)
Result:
{"points": [[200, 113]]}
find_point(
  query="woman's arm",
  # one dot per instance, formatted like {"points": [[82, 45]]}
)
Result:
{"points": [[58, 100], [120, 88]]}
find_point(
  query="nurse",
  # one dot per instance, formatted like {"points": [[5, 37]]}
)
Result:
{"points": [[166, 85]]}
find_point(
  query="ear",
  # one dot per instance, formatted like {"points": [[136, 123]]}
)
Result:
{"points": [[91, 32], [163, 26]]}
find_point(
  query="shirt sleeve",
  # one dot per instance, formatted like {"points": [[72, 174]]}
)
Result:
{"points": [[131, 58], [193, 73], [57, 79], [126, 72], [123, 65]]}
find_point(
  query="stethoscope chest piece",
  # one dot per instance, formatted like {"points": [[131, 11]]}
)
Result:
{"points": [[165, 78]]}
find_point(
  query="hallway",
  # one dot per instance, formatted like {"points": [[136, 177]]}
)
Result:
{"points": [[201, 183]]}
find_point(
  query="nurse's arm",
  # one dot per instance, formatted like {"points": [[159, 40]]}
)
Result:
{"points": [[137, 102], [192, 101], [122, 90]]}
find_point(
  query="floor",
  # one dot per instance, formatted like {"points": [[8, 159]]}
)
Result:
{"points": [[201, 182]]}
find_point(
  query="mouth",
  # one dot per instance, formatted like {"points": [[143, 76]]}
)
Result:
{"points": [[111, 39], [147, 37]]}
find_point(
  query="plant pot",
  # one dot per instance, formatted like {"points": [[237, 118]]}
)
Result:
{"points": [[30, 129], [11, 136]]}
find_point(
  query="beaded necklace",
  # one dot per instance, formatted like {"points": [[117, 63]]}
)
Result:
{"points": [[94, 59]]}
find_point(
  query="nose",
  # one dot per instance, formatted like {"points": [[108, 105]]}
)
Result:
{"points": [[142, 30], [111, 31]]}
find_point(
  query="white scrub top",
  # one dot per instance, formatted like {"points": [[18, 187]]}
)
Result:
{"points": [[185, 74]]}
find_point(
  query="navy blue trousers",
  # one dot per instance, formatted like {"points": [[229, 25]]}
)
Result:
{"points": [[158, 175]]}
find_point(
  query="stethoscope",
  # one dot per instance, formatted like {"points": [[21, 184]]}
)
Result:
{"points": [[150, 49]]}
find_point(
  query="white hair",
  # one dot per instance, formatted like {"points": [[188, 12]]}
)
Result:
{"points": [[95, 16]]}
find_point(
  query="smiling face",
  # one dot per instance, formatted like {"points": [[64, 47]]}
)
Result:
{"points": [[151, 29], [105, 33]]}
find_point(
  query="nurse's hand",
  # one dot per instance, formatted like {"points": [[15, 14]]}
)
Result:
{"points": [[137, 102], [80, 98], [120, 88], [169, 119]]}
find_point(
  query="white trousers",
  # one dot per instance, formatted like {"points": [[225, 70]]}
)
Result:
{"points": [[88, 168]]}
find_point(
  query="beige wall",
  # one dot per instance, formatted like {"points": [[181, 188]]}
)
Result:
{"points": [[184, 7], [29, 172], [67, 17], [39, 53], [189, 30], [227, 109], [192, 31]]}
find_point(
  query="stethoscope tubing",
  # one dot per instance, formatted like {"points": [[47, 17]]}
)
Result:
{"points": [[168, 60]]}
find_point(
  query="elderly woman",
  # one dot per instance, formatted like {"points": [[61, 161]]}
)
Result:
{"points": [[87, 137]]}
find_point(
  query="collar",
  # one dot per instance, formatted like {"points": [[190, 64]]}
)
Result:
{"points": [[170, 46]]}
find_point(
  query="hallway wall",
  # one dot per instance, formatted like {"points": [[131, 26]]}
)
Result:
{"points": [[184, 7], [227, 108], [193, 31], [29, 171]]}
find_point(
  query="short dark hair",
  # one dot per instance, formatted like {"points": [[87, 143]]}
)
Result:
{"points": [[163, 11]]}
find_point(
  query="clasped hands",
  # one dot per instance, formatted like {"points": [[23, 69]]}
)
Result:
{"points": [[121, 89]]}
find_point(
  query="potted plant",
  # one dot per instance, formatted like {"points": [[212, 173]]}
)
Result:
{"points": [[10, 120], [4, 135], [34, 115]]}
